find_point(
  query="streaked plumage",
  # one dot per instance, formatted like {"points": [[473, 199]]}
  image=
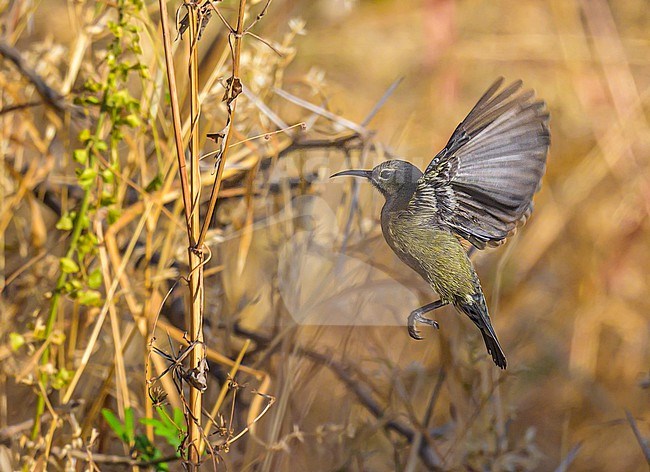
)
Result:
{"points": [[479, 188]]}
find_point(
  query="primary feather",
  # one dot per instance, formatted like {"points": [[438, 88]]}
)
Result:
{"points": [[481, 184]]}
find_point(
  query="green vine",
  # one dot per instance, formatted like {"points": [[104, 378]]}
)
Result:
{"points": [[117, 110]]}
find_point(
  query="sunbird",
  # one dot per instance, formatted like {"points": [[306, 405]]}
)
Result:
{"points": [[479, 188]]}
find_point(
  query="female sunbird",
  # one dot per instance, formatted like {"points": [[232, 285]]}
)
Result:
{"points": [[478, 188]]}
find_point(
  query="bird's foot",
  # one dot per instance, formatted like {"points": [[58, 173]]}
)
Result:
{"points": [[415, 317]]}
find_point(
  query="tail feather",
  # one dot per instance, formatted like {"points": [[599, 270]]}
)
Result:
{"points": [[477, 312], [493, 347]]}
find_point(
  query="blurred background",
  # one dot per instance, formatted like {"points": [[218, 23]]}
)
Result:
{"points": [[299, 265]]}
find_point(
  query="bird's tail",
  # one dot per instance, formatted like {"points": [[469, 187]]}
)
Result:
{"points": [[478, 313]]}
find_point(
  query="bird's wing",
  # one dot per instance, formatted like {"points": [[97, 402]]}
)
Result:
{"points": [[481, 184]]}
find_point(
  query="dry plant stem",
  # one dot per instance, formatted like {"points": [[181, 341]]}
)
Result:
{"points": [[176, 114], [236, 55], [122, 389], [148, 320], [196, 258], [123, 399]]}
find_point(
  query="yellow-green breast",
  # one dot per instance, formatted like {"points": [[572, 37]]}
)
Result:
{"points": [[436, 254]]}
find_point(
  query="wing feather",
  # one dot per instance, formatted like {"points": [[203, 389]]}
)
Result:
{"points": [[481, 184]]}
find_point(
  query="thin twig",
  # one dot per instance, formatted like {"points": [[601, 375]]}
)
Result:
{"points": [[51, 97], [641, 440], [261, 106], [224, 388], [417, 441], [384, 98], [259, 15], [231, 102], [322, 112], [568, 460], [176, 114]]}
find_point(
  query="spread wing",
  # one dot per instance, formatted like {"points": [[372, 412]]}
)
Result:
{"points": [[482, 183]]}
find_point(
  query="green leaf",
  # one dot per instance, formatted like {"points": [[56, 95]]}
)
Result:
{"points": [[100, 145], [61, 379], [179, 418], [87, 244], [86, 177], [121, 98], [148, 451], [108, 176], [89, 297], [92, 86], [85, 135], [71, 287], [129, 424], [115, 424], [164, 427], [95, 279], [132, 120], [68, 265], [80, 156], [107, 199], [65, 223], [113, 215], [16, 341]]}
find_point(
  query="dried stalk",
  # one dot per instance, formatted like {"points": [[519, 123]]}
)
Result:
{"points": [[196, 258], [176, 114]]}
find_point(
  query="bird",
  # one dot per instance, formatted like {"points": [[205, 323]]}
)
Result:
{"points": [[478, 188]]}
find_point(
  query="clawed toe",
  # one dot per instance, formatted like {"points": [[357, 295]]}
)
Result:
{"points": [[432, 323], [414, 318], [414, 333], [418, 316]]}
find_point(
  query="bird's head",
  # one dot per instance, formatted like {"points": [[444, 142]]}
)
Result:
{"points": [[392, 178]]}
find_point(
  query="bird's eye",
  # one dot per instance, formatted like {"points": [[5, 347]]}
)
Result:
{"points": [[385, 174]]}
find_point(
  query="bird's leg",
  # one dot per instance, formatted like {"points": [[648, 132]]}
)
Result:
{"points": [[418, 316]]}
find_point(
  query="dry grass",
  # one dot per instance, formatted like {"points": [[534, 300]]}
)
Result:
{"points": [[305, 304]]}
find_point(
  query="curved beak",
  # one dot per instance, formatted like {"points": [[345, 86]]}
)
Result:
{"points": [[355, 173]]}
